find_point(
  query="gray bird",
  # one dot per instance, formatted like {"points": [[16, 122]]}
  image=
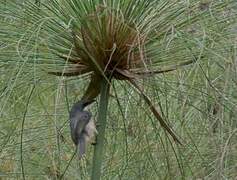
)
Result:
{"points": [[82, 127]]}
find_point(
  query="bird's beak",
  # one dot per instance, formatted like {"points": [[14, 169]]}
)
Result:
{"points": [[89, 102]]}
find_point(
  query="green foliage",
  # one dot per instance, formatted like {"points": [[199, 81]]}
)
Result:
{"points": [[198, 100]]}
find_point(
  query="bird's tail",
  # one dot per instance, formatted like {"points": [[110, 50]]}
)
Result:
{"points": [[81, 147]]}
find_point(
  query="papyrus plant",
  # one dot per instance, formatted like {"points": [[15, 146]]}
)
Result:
{"points": [[111, 40]]}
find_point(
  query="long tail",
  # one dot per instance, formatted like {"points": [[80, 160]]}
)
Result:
{"points": [[81, 147]]}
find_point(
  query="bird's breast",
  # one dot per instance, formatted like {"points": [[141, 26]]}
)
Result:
{"points": [[90, 130]]}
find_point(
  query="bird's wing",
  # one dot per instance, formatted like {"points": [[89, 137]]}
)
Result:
{"points": [[82, 122], [77, 125], [73, 125]]}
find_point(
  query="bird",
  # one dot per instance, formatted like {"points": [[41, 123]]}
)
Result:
{"points": [[82, 127]]}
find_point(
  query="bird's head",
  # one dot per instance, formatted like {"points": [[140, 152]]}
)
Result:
{"points": [[86, 103], [85, 115], [80, 105]]}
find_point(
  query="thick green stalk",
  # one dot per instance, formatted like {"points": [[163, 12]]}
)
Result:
{"points": [[99, 147]]}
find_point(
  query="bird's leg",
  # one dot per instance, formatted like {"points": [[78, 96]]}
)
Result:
{"points": [[97, 124], [95, 142]]}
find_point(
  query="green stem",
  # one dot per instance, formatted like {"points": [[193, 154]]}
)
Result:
{"points": [[99, 151]]}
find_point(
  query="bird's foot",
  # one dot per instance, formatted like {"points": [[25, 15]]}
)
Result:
{"points": [[93, 143]]}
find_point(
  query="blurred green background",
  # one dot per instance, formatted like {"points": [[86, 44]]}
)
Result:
{"points": [[199, 101]]}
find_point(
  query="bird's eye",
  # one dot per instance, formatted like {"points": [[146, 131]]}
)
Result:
{"points": [[86, 116]]}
